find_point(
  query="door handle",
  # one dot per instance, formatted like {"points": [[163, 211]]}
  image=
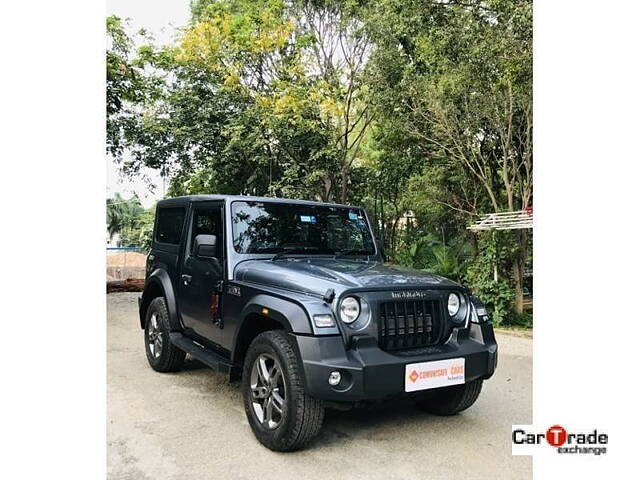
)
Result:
{"points": [[186, 279]]}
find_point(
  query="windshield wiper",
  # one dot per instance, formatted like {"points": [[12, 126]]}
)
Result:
{"points": [[348, 251], [288, 251]]}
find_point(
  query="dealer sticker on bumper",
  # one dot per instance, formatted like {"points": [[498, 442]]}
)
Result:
{"points": [[441, 373]]}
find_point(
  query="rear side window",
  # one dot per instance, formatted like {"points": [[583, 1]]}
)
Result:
{"points": [[169, 227]]}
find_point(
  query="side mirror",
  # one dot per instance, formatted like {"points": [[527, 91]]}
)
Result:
{"points": [[205, 246]]}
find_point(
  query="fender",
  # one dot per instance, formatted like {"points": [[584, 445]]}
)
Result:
{"points": [[291, 316], [160, 283]]}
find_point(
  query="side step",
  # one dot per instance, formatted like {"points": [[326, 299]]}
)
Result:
{"points": [[201, 353]]}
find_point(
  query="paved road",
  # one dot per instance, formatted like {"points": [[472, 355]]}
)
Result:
{"points": [[191, 425]]}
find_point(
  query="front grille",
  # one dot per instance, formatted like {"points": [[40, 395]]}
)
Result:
{"points": [[410, 324]]}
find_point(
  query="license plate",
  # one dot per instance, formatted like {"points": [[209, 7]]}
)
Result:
{"points": [[441, 373]]}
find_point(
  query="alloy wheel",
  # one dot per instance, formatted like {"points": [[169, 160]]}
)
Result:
{"points": [[154, 337], [268, 391]]}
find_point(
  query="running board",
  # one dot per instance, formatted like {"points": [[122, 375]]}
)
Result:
{"points": [[201, 353]]}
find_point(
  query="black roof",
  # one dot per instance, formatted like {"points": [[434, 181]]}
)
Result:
{"points": [[202, 198]]}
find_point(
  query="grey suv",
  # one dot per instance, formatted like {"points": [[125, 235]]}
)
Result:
{"points": [[293, 298]]}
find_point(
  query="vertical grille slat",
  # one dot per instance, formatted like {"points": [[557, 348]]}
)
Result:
{"points": [[394, 344], [405, 324], [424, 337], [405, 337], [415, 324]]}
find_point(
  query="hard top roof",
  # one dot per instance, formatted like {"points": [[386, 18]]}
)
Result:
{"points": [[203, 198]]}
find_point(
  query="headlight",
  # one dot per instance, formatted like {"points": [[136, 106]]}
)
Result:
{"points": [[454, 304], [349, 310]]}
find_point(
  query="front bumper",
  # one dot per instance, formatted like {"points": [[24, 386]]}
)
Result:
{"points": [[369, 373]]}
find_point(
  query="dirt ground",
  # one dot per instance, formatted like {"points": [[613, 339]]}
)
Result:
{"points": [[191, 425]]}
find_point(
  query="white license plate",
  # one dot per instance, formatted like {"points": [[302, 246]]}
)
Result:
{"points": [[441, 373]]}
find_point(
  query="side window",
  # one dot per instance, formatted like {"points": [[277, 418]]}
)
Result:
{"points": [[208, 222], [169, 227]]}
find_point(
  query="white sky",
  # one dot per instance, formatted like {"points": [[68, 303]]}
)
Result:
{"points": [[161, 18]]}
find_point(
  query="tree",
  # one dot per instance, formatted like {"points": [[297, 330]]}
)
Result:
{"points": [[140, 233], [263, 97], [126, 84], [420, 110], [123, 215], [337, 58], [457, 79]]}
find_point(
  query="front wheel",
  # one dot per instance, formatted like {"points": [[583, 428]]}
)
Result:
{"points": [[449, 400], [281, 414]]}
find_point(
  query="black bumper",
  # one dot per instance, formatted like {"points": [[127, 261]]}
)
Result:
{"points": [[369, 373]]}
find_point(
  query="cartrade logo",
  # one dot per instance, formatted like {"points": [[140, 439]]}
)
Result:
{"points": [[529, 440], [556, 436], [414, 376]]}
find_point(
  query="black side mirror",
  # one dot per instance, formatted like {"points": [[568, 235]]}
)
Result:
{"points": [[205, 246]]}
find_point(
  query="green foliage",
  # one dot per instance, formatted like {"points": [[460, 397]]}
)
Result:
{"points": [[430, 253], [255, 99], [127, 85], [521, 320], [130, 220], [122, 214], [497, 295], [419, 111], [140, 232]]}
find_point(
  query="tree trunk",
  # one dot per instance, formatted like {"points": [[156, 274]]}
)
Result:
{"points": [[344, 180], [518, 271], [518, 281], [326, 190]]}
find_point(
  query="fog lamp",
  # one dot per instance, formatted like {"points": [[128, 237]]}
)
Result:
{"points": [[334, 378]]}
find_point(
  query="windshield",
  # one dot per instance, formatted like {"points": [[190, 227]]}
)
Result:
{"points": [[272, 227]]}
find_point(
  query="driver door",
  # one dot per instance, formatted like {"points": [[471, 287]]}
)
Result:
{"points": [[198, 295]]}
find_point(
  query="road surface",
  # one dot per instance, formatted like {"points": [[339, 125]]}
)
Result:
{"points": [[191, 425]]}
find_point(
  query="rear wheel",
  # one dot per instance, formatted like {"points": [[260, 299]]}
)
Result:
{"points": [[449, 400], [162, 355], [282, 416]]}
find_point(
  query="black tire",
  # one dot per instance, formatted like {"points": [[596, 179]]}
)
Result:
{"points": [[170, 358], [449, 400], [301, 416]]}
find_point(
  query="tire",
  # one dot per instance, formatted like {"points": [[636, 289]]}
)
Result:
{"points": [[449, 400], [162, 355], [294, 418]]}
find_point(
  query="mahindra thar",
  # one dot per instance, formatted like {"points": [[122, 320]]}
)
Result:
{"points": [[293, 298]]}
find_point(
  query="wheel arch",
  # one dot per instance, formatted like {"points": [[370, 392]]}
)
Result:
{"points": [[158, 284], [264, 313]]}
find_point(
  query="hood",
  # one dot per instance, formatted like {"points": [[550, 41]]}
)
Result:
{"points": [[317, 275]]}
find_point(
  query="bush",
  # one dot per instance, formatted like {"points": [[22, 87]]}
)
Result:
{"points": [[453, 260], [498, 295], [522, 320], [430, 253]]}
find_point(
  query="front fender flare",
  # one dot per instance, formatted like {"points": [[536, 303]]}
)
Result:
{"points": [[292, 316]]}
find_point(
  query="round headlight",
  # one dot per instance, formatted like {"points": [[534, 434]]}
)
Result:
{"points": [[349, 310], [454, 304]]}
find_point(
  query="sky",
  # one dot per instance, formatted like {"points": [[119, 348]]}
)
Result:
{"points": [[162, 18]]}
